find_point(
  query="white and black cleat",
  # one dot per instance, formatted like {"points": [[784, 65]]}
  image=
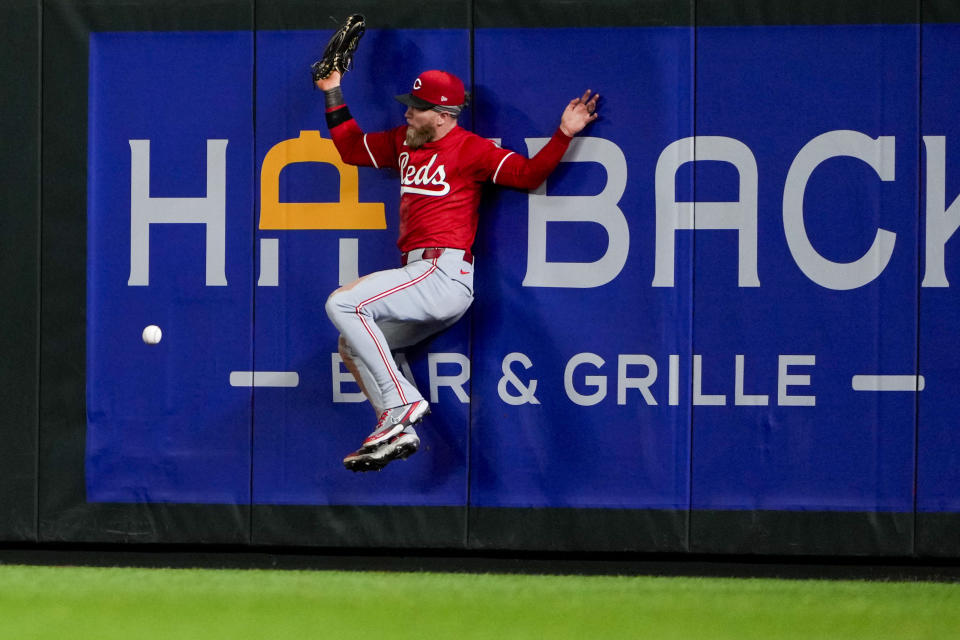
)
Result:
{"points": [[393, 421], [399, 447]]}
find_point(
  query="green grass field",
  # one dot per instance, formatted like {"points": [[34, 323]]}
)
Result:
{"points": [[137, 604]]}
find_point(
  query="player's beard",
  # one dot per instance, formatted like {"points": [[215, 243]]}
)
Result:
{"points": [[417, 137]]}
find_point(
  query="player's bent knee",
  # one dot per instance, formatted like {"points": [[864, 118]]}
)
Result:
{"points": [[336, 305]]}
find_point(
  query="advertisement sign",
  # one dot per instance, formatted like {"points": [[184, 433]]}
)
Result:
{"points": [[734, 292]]}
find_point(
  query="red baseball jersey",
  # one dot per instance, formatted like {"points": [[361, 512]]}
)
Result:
{"points": [[440, 183]]}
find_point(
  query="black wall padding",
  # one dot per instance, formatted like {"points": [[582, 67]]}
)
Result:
{"points": [[43, 181], [19, 264]]}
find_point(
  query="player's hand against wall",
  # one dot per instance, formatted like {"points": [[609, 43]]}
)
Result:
{"points": [[579, 113], [331, 81]]}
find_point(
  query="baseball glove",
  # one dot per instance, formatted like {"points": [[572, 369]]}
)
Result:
{"points": [[338, 54]]}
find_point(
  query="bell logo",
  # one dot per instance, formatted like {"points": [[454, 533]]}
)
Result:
{"points": [[347, 213], [417, 84]]}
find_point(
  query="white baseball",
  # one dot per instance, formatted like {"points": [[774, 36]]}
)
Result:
{"points": [[152, 334]]}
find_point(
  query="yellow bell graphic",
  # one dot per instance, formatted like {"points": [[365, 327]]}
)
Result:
{"points": [[348, 213]]}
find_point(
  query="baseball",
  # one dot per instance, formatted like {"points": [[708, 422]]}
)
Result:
{"points": [[152, 334]]}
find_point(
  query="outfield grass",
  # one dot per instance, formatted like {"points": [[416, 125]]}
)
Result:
{"points": [[137, 604]]}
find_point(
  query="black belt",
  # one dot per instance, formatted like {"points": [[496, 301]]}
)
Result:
{"points": [[436, 252]]}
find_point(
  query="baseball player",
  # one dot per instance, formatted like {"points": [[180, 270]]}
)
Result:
{"points": [[442, 169]]}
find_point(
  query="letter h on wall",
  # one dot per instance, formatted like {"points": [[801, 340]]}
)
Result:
{"points": [[209, 211]]}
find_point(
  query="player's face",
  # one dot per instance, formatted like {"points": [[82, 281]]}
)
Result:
{"points": [[421, 126]]}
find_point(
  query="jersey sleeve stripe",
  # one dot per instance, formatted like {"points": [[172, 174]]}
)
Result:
{"points": [[375, 165], [497, 172]]}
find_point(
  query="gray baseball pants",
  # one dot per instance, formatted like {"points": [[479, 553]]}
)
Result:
{"points": [[397, 308]]}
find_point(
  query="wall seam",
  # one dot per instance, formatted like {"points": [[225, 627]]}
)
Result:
{"points": [[693, 282], [470, 334], [916, 396], [253, 265]]}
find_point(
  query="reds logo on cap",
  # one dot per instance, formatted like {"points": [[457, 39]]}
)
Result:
{"points": [[434, 88]]}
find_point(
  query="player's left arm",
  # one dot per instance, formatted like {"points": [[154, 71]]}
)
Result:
{"points": [[529, 173], [355, 146]]}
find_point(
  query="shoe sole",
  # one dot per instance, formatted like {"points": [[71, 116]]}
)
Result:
{"points": [[364, 462], [397, 428], [405, 450]]}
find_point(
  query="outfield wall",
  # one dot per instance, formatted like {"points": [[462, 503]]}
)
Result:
{"points": [[724, 325]]}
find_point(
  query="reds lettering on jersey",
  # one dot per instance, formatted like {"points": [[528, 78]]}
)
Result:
{"points": [[427, 180], [441, 182]]}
